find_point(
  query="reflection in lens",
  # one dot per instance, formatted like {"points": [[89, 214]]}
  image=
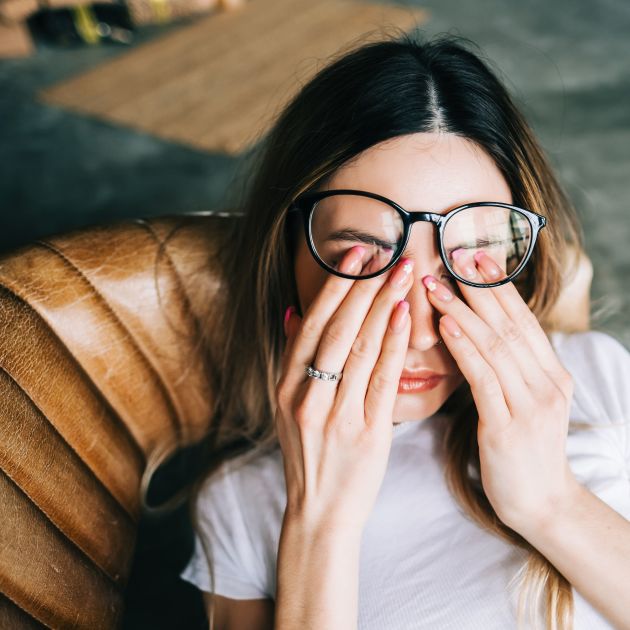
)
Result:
{"points": [[504, 234], [339, 222]]}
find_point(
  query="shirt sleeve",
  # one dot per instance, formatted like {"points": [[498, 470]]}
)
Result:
{"points": [[223, 540], [600, 366]]}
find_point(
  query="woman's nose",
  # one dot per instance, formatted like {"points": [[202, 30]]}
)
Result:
{"points": [[424, 317]]}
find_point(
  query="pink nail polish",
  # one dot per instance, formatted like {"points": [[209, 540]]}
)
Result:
{"points": [[487, 264], [451, 327], [439, 290], [287, 314]]}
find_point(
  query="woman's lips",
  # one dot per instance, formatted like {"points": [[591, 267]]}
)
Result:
{"points": [[416, 385]]}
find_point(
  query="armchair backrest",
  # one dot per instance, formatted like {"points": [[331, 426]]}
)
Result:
{"points": [[98, 370]]}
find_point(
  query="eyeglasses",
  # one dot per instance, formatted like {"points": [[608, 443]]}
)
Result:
{"points": [[337, 220]]}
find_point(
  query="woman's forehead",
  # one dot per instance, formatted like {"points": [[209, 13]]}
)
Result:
{"points": [[425, 172]]}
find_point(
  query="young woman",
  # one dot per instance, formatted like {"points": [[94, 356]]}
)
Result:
{"points": [[414, 445]]}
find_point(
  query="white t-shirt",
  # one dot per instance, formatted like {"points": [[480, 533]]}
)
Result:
{"points": [[423, 563]]}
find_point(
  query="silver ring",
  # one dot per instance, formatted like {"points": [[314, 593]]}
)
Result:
{"points": [[324, 376]]}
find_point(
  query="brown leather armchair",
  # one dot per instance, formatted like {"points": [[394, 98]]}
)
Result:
{"points": [[99, 371]]}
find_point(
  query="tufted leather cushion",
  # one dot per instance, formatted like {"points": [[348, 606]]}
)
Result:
{"points": [[98, 371]]}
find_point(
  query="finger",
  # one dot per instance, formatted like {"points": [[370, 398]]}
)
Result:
{"points": [[316, 317], [486, 389], [520, 313], [354, 337], [486, 304], [492, 347], [383, 386]]}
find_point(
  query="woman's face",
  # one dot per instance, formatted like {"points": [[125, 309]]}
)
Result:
{"points": [[433, 172]]}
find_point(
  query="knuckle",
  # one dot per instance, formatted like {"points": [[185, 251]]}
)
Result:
{"points": [[554, 400], [509, 331], [335, 333], [338, 425], [380, 382], [310, 329], [529, 322], [487, 381], [283, 395], [497, 346], [304, 412], [362, 348], [283, 398], [469, 351], [568, 386], [566, 380]]}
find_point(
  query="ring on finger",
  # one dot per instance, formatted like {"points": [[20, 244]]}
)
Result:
{"points": [[324, 376]]}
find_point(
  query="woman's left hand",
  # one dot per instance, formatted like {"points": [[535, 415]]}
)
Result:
{"points": [[521, 390]]}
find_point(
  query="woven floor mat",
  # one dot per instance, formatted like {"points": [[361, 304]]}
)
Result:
{"points": [[216, 84]]}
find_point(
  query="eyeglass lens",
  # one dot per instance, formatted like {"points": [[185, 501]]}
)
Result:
{"points": [[339, 222]]}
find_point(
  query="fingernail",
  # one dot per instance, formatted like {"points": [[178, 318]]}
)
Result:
{"points": [[354, 258], [488, 266], [402, 272], [287, 314], [467, 269], [451, 327], [439, 290], [399, 318]]}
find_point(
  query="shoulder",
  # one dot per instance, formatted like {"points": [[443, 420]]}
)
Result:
{"points": [[589, 341], [598, 445], [600, 367], [235, 524], [250, 485], [243, 474]]}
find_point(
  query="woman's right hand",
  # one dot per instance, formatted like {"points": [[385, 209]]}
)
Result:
{"points": [[336, 436]]}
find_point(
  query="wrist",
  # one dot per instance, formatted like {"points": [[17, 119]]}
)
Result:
{"points": [[317, 574], [558, 512], [310, 527]]}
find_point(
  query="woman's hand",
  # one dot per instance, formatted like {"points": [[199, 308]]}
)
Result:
{"points": [[336, 436], [521, 391]]}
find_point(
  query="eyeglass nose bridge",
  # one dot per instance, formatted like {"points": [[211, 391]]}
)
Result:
{"points": [[428, 217]]}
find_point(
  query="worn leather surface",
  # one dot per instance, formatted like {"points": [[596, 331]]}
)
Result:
{"points": [[98, 370]]}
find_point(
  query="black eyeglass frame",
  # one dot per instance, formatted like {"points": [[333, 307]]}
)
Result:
{"points": [[305, 204]]}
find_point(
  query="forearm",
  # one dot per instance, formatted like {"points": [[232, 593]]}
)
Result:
{"points": [[589, 543], [318, 578]]}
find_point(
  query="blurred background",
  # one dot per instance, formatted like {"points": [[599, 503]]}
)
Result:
{"points": [[141, 108]]}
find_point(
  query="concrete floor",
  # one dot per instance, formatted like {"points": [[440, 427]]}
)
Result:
{"points": [[565, 61]]}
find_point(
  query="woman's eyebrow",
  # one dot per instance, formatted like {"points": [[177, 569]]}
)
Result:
{"points": [[359, 236]]}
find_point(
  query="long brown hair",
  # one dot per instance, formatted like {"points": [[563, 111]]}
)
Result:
{"points": [[369, 93]]}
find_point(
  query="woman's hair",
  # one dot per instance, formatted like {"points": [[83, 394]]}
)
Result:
{"points": [[367, 94]]}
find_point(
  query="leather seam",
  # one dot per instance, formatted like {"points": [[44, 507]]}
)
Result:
{"points": [[29, 614], [90, 472], [143, 356], [131, 517], [92, 561]]}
